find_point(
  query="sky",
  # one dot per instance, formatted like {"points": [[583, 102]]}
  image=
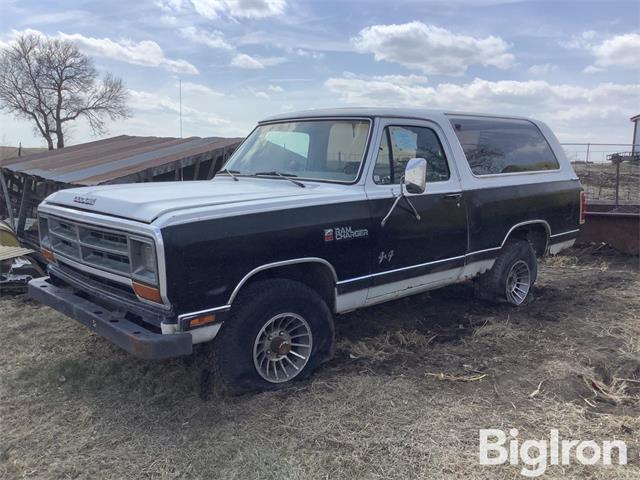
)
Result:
{"points": [[574, 64]]}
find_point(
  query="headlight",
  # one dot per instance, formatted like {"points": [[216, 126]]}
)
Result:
{"points": [[143, 260]]}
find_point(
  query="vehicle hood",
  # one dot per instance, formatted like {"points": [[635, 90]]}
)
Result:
{"points": [[146, 202]]}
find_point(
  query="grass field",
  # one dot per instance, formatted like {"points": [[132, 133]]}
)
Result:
{"points": [[411, 384]]}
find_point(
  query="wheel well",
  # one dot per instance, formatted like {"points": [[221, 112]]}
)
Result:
{"points": [[314, 275], [534, 233]]}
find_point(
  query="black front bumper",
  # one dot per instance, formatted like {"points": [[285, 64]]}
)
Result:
{"points": [[110, 324]]}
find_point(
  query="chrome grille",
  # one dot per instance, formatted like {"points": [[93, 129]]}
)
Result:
{"points": [[93, 246]]}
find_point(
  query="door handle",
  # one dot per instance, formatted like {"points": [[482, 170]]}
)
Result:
{"points": [[453, 196]]}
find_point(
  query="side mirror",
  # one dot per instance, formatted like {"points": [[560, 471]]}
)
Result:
{"points": [[414, 180], [415, 175]]}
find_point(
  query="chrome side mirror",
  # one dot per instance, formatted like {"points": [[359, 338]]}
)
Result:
{"points": [[415, 175], [414, 180]]}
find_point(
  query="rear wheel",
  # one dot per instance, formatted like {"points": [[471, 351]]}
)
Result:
{"points": [[518, 282], [512, 276], [279, 331]]}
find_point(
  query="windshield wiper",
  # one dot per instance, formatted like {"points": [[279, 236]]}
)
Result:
{"points": [[286, 176], [230, 172]]}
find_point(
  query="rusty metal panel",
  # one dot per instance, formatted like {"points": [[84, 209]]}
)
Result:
{"points": [[105, 161], [620, 230]]}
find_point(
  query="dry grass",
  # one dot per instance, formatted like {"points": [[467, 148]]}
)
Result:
{"points": [[412, 383]]}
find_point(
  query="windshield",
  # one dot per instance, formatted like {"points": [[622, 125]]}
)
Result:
{"points": [[317, 150]]}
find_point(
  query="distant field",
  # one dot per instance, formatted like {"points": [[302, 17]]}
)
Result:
{"points": [[10, 152]]}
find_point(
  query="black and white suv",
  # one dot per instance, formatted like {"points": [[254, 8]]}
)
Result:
{"points": [[316, 214]]}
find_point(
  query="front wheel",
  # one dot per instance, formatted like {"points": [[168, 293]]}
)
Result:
{"points": [[279, 331], [512, 276]]}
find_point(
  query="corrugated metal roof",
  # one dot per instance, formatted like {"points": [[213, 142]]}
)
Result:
{"points": [[12, 252], [106, 160]]}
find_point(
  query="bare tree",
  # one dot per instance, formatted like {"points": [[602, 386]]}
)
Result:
{"points": [[52, 83]]}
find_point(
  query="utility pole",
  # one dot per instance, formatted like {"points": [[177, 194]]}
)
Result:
{"points": [[180, 89]]}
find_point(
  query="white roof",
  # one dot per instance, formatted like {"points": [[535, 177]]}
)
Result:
{"points": [[378, 112]]}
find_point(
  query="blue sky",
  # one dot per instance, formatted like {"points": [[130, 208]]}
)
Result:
{"points": [[575, 65]]}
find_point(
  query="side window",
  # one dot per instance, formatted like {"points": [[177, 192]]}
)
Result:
{"points": [[401, 144], [496, 145]]}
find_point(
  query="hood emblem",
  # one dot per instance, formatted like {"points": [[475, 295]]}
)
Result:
{"points": [[84, 200]]}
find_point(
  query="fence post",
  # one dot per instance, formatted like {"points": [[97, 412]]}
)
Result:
{"points": [[618, 162], [588, 147]]}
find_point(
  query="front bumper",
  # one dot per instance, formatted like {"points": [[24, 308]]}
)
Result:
{"points": [[110, 324]]}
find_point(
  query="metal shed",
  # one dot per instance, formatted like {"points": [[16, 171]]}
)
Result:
{"points": [[27, 180]]}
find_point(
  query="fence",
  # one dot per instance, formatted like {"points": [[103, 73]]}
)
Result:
{"points": [[610, 173]]}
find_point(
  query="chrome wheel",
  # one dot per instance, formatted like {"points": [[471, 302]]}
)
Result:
{"points": [[518, 282], [282, 347]]}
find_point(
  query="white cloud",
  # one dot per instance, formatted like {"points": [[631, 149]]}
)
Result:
{"points": [[170, 6], [575, 112], [155, 102], [146, 101], [592, 69], [271, 61], [212, 39], [73, 16], [542, 69], [14, 34], [275, 88], [242, 60], [146, 52], [263, 95], [583, 40], [619, 51], [308, 53], [432, 49], [169, 20], [212, 9], [198, 89]]}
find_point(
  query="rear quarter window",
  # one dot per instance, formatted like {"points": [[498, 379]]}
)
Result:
{"points": [[499, 146]]}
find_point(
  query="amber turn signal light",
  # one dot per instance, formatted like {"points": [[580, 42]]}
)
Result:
{"points": [[147, 292], [202, 320], [48, 255], [583, 207]]}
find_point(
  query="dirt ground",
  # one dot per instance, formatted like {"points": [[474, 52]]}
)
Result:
{"points": [[412, 383]]}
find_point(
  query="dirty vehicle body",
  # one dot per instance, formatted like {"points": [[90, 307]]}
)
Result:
{"points": [[316, 214]]}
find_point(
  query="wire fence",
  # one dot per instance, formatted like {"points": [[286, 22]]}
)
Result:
{"points": [[610, 173]]}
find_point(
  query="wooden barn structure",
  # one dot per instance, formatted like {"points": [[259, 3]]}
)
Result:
{"points": [[26, 181]]}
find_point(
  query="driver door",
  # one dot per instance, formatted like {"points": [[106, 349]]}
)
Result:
{"points": [[410, 254]]}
